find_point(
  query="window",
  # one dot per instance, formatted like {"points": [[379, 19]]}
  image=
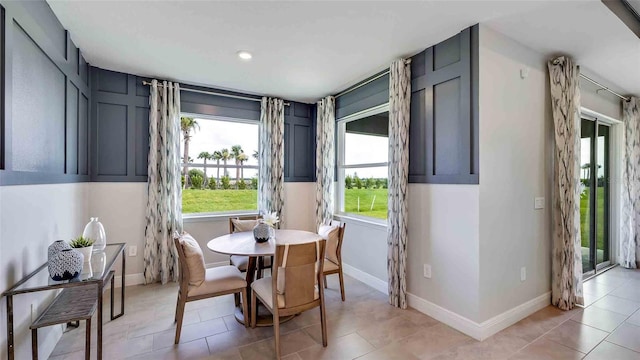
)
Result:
{"points": [[220, 165], [363, 146]]}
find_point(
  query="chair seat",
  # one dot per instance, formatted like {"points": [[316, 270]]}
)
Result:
{"points": [[263, 288], [330, 266], [242, 262], [219, 279]]}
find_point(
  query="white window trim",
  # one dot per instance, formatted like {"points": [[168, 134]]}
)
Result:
{"points": [[222, 215], [340, 166]]}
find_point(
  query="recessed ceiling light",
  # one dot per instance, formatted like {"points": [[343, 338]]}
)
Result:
{"points": [[244, 55]]}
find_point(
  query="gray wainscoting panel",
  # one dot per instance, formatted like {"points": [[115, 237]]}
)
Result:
{"points": [[300, 143], [72, 129], [44, 126], [38, 109], [443, 145], [111, 138], [142, 140]]}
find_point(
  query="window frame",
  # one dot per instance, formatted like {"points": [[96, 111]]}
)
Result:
{"points": [[201, 216], [341, 166]]}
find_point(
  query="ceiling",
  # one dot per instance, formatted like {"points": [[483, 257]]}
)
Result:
{"points": [[308, 49], [604, 47]]}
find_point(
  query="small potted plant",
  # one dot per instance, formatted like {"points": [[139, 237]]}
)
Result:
{"points": [[84, 246]]}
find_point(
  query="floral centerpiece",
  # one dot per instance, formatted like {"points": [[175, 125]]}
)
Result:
{"points": [[264, 230]]}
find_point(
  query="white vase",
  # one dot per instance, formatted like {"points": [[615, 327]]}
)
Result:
{"points": [[86, 252], [95, 231]]}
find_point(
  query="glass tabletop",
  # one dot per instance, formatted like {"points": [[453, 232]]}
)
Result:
{"points": [[95, 271]]}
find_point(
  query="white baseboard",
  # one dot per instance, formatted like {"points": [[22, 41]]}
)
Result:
{"points": [[366, 278], [484, 330], [138, 279]]}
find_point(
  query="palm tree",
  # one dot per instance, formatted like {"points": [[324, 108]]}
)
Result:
{"points": [[241, 159], [186, 125], [236, 150], [225, 156], [205, 155], [255, 155], [217, 156]]}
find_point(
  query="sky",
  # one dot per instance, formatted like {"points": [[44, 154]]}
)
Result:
{"points": [[214, 135], [585, 154]]}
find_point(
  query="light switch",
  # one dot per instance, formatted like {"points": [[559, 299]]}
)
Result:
{"points": [[538, 203]]}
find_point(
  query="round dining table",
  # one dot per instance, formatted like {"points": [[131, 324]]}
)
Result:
{"points": [[244, 244]]}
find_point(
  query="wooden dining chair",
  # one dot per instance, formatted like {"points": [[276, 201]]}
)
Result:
{"points": [[293, 288], [334, 234], [197, 282], [247, 223]]}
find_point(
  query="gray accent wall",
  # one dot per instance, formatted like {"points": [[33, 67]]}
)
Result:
{"points": [[443, 144], [45, 102], [120, 126]]}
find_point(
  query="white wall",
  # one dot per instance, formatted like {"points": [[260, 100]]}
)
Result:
{"points": [[121, 207], [516, 144], [31, 218]]}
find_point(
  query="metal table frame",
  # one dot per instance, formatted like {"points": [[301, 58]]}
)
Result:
{"points": [[107, 276]]}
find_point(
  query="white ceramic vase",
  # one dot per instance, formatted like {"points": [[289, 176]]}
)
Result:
{"points": [[86, 252]]}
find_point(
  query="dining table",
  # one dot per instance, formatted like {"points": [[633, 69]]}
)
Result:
{"points": [[244, 244]]}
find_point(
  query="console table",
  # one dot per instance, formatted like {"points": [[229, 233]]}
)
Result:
{"points": [[99, 273]]}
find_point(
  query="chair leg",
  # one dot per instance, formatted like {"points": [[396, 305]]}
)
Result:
{"points": [[245, 307], [180, 314], [325, 280], [236, 297], [254, 308], [260, 267], [175, 319], [34, 344], [87, 345], [323, 322], [276, 332], [341, 283]]}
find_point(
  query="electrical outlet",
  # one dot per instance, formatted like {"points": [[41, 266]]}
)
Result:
{"points": [[427, 271], [133, 251], [538, 203], [523, 273]]}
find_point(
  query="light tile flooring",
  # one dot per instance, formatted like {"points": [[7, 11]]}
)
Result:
{"points": [[365, 327]]}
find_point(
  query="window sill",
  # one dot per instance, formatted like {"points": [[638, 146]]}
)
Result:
{"points": [[204, 217], [361, 220]]}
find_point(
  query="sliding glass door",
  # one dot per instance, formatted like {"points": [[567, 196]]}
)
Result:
{"points": [[594, 198]]}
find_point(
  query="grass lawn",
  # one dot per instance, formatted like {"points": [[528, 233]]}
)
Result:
{"points": [[584, 220], [202, 201], [366, 198], [199, 201]]}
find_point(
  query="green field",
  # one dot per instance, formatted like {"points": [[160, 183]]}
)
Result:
{"points": [[366, 197], [199, 201], [202, 201], [584, 220]]}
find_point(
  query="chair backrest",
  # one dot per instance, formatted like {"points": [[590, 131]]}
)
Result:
{"points": [[338, 246], [232, 227], [183, 273], [301, 266]]}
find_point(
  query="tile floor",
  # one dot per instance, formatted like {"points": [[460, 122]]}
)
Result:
{"points": [[365, 327]]}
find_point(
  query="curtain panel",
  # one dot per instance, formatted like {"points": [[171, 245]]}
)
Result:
{"points": [[630, 226], [164, 204], [325, 160], [566, 287], [271, 157], [398, 207]]}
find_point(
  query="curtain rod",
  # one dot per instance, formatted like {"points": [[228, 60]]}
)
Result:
{"points": [[602, 87], [216, 93], [374, 78]]}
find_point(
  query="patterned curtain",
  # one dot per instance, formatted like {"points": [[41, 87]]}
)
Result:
{"points": [[566, 287], [271, 157], [164, 205], [630, 236], [398, 212], [325, 160]]}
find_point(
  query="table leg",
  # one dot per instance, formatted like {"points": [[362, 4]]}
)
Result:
{"points": [[10, 352], [99, 322]]}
